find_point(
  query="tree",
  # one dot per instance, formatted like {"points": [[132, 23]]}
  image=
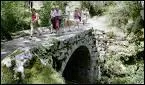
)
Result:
{"points": [[13, 15], [4, 32]]}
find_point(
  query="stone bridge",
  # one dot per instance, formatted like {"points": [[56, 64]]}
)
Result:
{"points": [[73, 54]]}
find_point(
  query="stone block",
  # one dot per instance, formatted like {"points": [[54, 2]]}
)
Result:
{"points": [[61, 56]]}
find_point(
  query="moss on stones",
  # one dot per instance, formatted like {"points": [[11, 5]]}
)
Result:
{"points": [[35, 71], [7, 75], [40, 74]]}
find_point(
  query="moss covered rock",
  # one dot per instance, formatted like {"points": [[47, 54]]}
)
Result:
{"points": [[40, 74], [7, 75], [23, 67]]}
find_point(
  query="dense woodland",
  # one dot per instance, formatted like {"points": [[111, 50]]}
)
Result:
{"points": [[16, 15]]}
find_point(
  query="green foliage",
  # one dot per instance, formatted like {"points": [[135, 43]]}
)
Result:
{"points": [[132, 74], [99, 10], [35, 73], [133, 8], [126, 66], [111, 34], [7, 76], [13, 14], [40, 74], [96, 8], [45, 14], [138, 24], [14, 18], [119, 15], [119, 80], [93, 9], [60, 4], [34, 70], [85, 4], [122, 12], [135, 75]]}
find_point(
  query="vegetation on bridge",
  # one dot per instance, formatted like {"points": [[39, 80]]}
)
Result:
{"points": [[35, 72]]}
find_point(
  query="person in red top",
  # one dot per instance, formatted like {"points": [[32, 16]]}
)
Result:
{"points": [[34, 21]]}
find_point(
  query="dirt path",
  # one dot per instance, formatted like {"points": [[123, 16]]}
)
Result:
{"points": [[102, 23]]}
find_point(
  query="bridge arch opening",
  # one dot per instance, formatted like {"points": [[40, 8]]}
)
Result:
{"points": [[78, 67]]}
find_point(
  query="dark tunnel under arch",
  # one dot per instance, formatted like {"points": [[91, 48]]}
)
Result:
{"points": [[78, 66]]}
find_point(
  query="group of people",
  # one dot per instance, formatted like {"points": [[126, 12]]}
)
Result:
{"points": [[56, 18]]}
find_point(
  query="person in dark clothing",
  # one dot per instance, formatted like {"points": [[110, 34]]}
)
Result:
{"points": [[56, 15]]}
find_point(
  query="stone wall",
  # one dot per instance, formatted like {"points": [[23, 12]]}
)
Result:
{"points": [[56, 54]]}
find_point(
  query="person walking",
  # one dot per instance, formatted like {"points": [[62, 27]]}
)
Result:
{"points": [[67, 13], [58, 17], [77, 17], [55, 18], [85, 15], [34, 22], [52, 16]]}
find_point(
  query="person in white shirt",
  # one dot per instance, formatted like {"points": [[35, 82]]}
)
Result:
{"points": [[67, 13], [56, 15], [85, 15]]}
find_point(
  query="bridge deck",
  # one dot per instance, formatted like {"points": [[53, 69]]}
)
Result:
{"points": [[27, 43]]}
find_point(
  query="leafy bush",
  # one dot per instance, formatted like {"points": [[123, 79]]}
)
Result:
{"points": [[133, 8], [7, 76], [14, 18], [119, 15], [123, 11], [111, 34], [94, 9], [97, 8], [40, 74], [134, 76], [45, 13], [13, 14]]}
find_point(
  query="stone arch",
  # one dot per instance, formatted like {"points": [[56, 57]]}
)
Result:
{"points": [[78, 66]]}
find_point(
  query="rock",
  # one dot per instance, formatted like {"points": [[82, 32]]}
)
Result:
{"points": [[7, 62]]}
